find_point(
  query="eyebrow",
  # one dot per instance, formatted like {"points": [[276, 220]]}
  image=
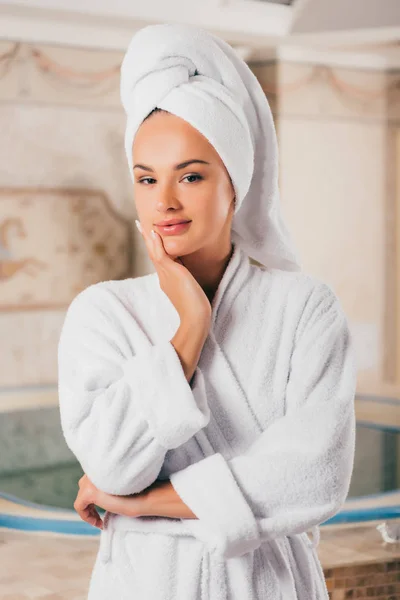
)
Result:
{"points": [[176, 167]]}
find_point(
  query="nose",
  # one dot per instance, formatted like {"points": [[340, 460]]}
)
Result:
{"points": [[166, 200]]}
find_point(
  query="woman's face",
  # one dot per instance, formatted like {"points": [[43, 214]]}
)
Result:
{"points": [[199, 192]]}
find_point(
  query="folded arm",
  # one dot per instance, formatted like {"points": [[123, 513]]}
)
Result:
{"points": [[121, 409], [297, 473]]}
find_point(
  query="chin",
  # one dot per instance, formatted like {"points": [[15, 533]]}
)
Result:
{"points": [[176, 245]]}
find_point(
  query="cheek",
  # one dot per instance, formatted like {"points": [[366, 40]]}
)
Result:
{"points": [[222, 199], [216, 209]]}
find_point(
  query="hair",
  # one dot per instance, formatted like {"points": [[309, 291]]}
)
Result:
{"points": [[155, 110]]}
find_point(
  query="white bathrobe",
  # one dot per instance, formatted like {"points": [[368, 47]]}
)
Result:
{"points": [[260, 445]]}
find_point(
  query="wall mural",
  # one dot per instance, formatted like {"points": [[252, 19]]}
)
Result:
{"points": [[55, 242], [58, 239]]}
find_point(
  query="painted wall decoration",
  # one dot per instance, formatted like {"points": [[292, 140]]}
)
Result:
{"points": [[66, 205], [55, 242], [64, 186]]}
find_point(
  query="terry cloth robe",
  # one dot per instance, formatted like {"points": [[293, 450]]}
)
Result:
{"points": [[260, 444]]}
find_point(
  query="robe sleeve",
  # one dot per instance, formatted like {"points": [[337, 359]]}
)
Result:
{"points": [[121, 409], [297, 473]]}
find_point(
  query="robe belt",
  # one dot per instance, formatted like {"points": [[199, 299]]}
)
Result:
{"points": [[213, 566], [213, 569]]}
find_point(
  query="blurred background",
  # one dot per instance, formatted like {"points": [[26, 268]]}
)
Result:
{"points": [[331, 72]]}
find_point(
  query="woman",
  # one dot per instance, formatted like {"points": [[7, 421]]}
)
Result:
{"points": [[210, 403]]}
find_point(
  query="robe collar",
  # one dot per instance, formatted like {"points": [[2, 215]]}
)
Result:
{"points": [[236, 272], [231, 281]]}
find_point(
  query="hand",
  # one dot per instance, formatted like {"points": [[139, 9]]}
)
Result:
{"points": [[176, 281], [85, 502], [89, 495]]}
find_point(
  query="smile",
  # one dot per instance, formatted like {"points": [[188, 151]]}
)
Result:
{"points": [[175, 229]]}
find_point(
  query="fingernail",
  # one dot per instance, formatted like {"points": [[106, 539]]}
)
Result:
{"points": [[138, 225], [153, 233]]}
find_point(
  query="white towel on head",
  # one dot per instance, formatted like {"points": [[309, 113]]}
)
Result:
{"points": [[199, 77]]}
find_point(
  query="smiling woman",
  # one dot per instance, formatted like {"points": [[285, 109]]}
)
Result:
{"points": [[225, 388]]}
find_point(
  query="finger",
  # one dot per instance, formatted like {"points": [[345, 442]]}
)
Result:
{"points": [[139, 227], [91, 516], [87, 511], [159, 250], [149, 242], [97, 522]]}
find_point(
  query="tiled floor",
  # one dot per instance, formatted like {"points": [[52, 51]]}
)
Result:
{"points": [[45, 566], [57, 567], [344, 545]]}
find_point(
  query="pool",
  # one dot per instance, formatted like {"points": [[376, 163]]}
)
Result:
{"points": [[55, 485], [374, 490], [376, 471]]}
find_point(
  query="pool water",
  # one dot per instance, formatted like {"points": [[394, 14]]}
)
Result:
{"points": [[376, 470], [53, 486], [377, 460]]}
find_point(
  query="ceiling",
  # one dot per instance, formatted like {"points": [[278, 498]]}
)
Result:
{"points": [[287, 2], [365, 32]]}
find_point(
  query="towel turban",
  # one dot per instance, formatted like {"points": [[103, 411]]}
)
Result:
{"points": [[199, 77]]}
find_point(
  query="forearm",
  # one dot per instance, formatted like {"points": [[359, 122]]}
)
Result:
{"points": [[163, 501], [159, 499], [188, 342]]}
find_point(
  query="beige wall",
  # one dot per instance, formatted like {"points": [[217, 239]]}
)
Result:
{"points": [[337, 138], [62, 128], [397, 247], [337, 175]]}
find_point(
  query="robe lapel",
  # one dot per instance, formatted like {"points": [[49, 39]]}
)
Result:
{"points": [[232, 417]]}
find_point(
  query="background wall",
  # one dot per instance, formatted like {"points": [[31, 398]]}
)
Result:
{"points": [[336, 128], [67, 209], [66, 203]]}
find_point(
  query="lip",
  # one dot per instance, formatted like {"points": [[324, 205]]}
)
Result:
{"points": [[174, 229], [171, 222]]}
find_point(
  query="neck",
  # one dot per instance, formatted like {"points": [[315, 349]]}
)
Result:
{"points": [[208, 266]]}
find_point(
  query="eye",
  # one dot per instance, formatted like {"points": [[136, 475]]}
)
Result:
{"points": [[144, 179], [199, 177], [196, 175]]}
